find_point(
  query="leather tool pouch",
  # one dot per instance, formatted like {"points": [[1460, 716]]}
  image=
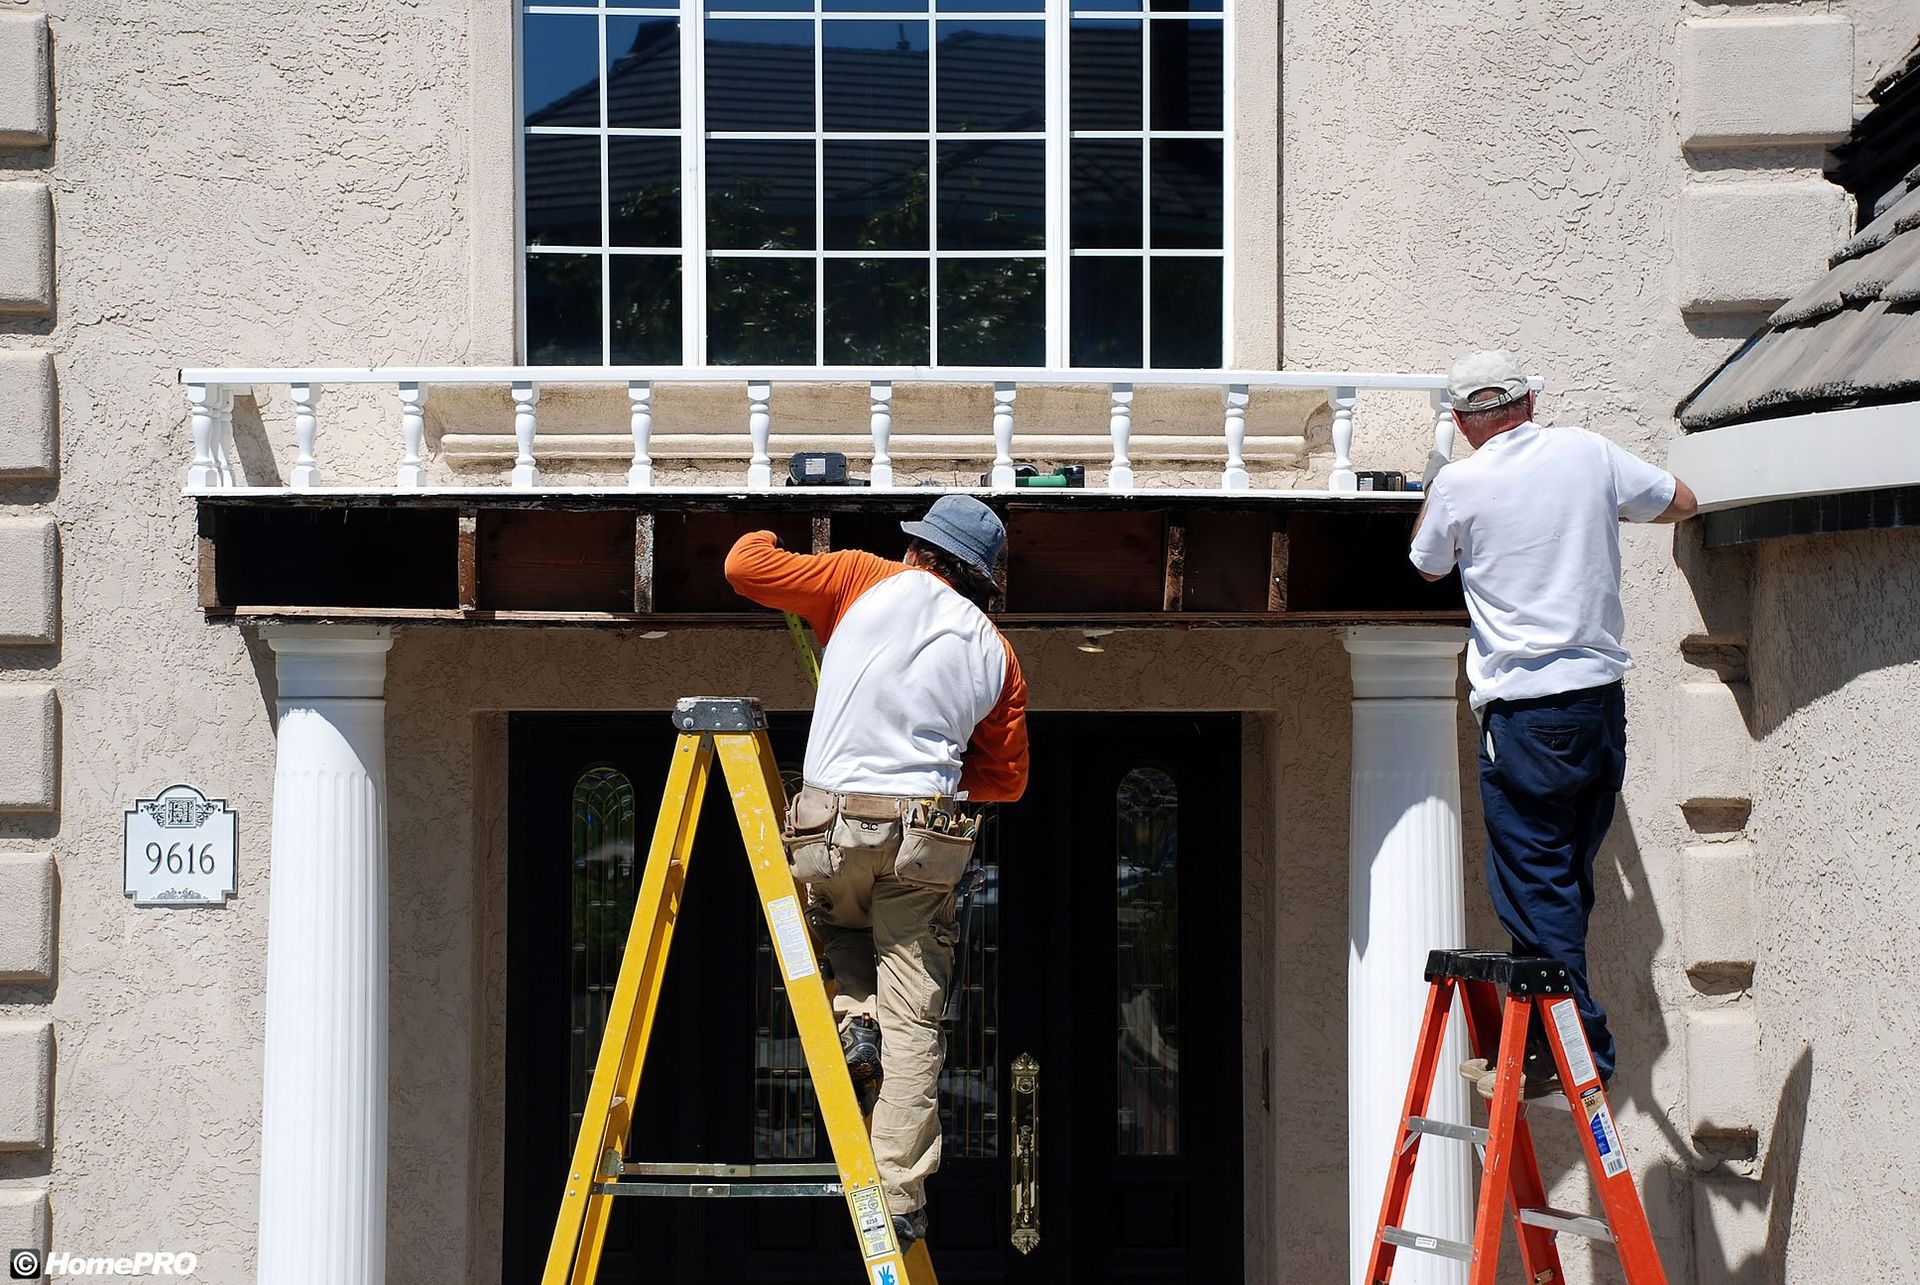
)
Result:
{"points": [[931, 858], [808, 837]]}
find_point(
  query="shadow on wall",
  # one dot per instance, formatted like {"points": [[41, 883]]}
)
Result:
{"points": [[1769, 1193], [1823, 610]]}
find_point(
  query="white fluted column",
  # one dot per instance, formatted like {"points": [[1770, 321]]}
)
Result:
{"points": [[323, 1162], [1404, 899]]}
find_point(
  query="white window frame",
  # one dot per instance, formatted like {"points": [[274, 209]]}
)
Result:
{"points": [[1058, 15]]}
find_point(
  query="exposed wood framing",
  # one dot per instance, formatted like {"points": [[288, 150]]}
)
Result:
{"points": [[1277, 572], [643, 563], [1174, 585], [635, 559], [468, 570]]}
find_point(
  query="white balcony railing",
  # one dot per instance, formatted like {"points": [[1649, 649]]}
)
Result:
{"points": [[211, 393]]}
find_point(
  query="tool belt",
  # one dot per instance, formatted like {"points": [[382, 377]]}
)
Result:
{"points": [[935, 835]]}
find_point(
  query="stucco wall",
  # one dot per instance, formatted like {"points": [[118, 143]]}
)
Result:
{"points": [[1836, 673]]}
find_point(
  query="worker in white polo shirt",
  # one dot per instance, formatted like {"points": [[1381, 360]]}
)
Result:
{"points": [[1531, 519], [921, 714]]}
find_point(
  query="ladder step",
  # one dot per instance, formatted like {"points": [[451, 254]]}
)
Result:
{"points": [[719, 1190], [1447, 1129], [1427, 1244], [677, 1169], [1572, 1223]]}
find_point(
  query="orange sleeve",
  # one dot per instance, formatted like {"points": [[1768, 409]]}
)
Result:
{"points": [[817, 587], [994, 768]]}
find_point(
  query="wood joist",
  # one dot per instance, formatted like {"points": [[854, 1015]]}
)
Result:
{"points": [[654, 559]]}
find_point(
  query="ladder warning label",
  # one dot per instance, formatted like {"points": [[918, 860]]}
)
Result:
{"points": [[1600, 1122], [871, 1221], [1573, 1040], [790, 938]]}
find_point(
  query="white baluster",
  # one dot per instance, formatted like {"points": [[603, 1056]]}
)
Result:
{"points": [[1002, 475], [413, 427], [1120, 428], [1342, 400], [1443, 421], [526, 396], [760, 429], [203, 472], [640, 420], [224, 453], [880, 422], [306, 426], [1234, 398]]}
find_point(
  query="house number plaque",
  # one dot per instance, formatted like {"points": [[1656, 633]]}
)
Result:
{"points": [[180, 849]]}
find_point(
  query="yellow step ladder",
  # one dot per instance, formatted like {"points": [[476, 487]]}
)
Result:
{"points": [[735, 730]]}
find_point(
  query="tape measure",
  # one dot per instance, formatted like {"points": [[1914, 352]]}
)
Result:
{"points": [[798, 628]]}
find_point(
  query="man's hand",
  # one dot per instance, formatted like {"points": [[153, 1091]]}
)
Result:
{"points": [[1435, 462]]}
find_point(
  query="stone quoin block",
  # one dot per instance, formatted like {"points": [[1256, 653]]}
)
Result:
{"points": [[1765, 80], [26, 916], [29, 581], [26, 270], [1723, 1064], [30, 729], [26, 1068], [1730, 1218], [26, 101], [25, 1219], [1747, 247], [1719, 904], [1715, 747], [28, 441]]}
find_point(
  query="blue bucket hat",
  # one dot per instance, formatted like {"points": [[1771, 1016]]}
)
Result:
{"points": [[964, 527]]}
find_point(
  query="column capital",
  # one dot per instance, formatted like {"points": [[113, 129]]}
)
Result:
{"points": [[322, 662], [1405, 661]]}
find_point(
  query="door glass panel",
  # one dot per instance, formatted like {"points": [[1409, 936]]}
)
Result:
{"points": [[1146, 873], [970, 1080], [604, 890]]}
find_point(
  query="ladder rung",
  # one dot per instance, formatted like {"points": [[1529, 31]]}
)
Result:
{"points": [[1447, 1129], [1427, 1244], [717, 1190], [1561, 1220], [677, 1169]]}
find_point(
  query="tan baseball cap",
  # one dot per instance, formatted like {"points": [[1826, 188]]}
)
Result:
{"points": [[1494, 374]]}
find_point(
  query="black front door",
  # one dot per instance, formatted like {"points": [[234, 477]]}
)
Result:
{"points": [[1105, 949]]}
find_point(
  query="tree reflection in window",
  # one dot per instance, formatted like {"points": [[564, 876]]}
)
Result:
{"points": [[604, 887], [1146, 869]]}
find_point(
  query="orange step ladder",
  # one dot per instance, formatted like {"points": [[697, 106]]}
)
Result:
{"points": [[1500, 995]]}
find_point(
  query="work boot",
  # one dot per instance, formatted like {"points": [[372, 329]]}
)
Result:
{"points": [[1532, 1087], [908, 1228], [860, 1040]]}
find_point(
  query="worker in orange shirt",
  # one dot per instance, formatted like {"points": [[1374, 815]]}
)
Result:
{"points": [[921, 713]]}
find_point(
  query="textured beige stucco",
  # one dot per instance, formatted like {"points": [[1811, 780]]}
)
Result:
{"points": [[279, 182], [1836, 674]]}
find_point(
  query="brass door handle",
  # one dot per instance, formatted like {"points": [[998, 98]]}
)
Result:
{"points": [[1026, 1153]]}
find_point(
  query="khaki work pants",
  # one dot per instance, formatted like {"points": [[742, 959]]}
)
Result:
{"points": [[880, 900]]}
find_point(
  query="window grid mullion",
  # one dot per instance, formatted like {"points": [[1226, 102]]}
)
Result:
{"points": [[693, 186], [933, 193], [606, 208], [819, 189], [1146, 190], [1057, 187]]}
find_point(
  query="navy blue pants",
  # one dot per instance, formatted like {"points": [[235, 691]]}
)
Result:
{"points": [[1550, 768]]}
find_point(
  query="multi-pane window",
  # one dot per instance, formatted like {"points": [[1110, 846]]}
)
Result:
{"points": [[899, 182]]}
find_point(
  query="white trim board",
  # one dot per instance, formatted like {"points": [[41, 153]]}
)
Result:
{"points": [[1864, 449]]}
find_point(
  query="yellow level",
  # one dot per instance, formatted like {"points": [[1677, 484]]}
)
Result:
{"points": [[735, 730]]}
